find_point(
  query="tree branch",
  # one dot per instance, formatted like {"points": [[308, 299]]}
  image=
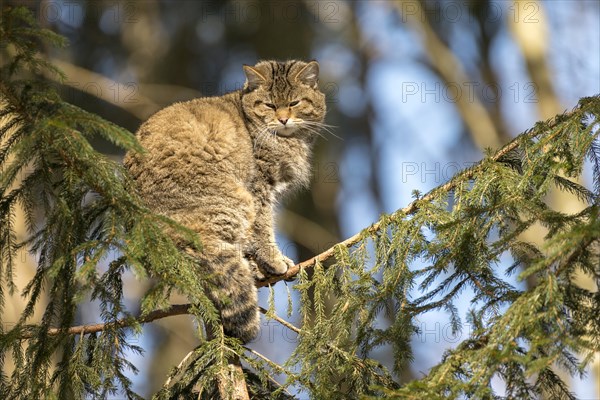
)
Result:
{"points": [[411, 208], [175, 309], [280, 320]]}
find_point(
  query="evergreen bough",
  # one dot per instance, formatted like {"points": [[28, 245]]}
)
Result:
{"points": [[82, 212]]}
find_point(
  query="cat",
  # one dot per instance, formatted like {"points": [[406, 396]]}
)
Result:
{"points": [[219, 165]]}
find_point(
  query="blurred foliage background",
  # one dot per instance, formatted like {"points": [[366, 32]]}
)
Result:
{"points": [[417, 90]]}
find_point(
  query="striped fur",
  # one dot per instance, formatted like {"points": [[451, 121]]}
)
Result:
{"points": [[219, 165]]}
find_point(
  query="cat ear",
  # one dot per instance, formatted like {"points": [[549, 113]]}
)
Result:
{"points": [[253, 78], [309, 75]]}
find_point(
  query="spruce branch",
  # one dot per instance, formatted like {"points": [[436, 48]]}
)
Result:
{"points": [[173, 310], [434, 193], [280, 320]]}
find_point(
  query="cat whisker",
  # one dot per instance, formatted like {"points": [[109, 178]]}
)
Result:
{"points": [[256, 141], [321, 124], [314, 131], [323, 128], [316, 128], [326, 127]]}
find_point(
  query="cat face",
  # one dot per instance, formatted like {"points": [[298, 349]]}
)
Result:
{"points": [[282, 98]]}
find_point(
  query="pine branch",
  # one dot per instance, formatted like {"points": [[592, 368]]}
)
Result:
{"points": [[413, 206], [461, 229], [274, 365], [175, 309]]}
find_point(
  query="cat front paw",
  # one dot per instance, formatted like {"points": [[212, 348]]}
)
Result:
{"points": [[273, 263], [290, 263]]}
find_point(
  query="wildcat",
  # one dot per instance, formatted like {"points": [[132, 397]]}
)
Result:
{"points": [[218, 165]]}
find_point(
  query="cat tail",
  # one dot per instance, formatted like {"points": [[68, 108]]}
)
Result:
{"points": [[234, 294]]}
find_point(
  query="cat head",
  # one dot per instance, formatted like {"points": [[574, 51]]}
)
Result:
{"points": [[283, 98]]}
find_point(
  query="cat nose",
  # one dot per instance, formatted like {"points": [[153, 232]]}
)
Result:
{"points": [[283, 120]]}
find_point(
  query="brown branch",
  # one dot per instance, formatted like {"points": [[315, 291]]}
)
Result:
{"points": [[280, 320], [175, 309], [411, 208]]}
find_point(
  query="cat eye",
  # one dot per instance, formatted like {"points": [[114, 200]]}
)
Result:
{"points": [[294, 103], [270, 105]]}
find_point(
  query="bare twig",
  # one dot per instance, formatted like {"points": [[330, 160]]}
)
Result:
{"points": [[175, 309], [178, 369], [273, 365], [280, 320]]}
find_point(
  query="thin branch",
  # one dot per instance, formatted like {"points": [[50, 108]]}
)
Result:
{"points": [[175, 309], [280, 369], [273, 365], [411, 208], [280, 320], [178, 369]]}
